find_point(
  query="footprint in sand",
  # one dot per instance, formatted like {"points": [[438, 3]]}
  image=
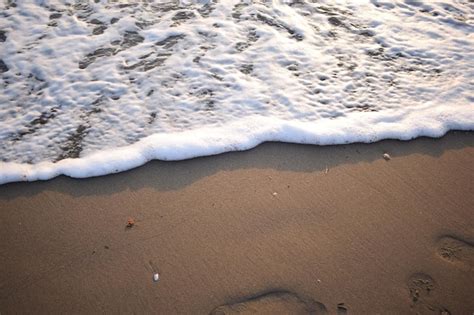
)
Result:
{"points": [[272, 303], [421, 287], [456, 251], [422, 290]]}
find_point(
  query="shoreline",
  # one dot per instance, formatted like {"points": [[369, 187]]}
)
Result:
{"points": [[281, 227], [206, 142]]}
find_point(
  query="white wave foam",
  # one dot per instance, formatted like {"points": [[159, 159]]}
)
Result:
{"points": [[236, 137], [96, 88]]}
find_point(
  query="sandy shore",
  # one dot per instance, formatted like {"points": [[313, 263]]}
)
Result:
{"points": [[281, 229]]}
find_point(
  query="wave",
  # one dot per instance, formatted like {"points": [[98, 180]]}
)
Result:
{"points": [[89, 89]]}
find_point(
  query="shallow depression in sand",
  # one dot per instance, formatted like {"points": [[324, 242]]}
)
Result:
{"points": [[456, 251], [272, 303]]}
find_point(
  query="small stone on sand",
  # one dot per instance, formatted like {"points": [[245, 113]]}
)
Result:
{"points": [[387, 156]]}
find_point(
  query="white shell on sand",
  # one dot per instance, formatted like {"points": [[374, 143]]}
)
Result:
{"points": [[156, 277]]}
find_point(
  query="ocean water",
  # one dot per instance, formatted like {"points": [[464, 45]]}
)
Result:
{"points": [[89, 88]]}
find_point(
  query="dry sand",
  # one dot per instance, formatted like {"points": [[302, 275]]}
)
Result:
{"points": [[281, 229]]}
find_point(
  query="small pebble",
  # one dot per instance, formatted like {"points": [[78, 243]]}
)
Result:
{"points": [[130, 223], [387, 156], [156, 277], [274, 194]]}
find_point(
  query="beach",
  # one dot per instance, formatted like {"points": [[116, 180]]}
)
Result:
{"points": [[237, 157], [381, 228]]}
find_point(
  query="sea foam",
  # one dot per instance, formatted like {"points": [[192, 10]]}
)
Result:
{"points": [[89, 89]]}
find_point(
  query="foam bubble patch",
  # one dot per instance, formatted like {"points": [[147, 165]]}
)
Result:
{"points": [[93, 88]]}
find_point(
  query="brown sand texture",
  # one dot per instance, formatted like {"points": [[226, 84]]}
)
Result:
{"points": [[280, 229]]}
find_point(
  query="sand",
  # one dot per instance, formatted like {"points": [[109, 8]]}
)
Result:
{"points": [[280, 229]]}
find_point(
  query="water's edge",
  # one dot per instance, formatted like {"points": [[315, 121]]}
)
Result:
{"points": [[207, 142]]}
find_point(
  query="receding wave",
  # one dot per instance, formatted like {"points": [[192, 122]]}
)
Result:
{"points": [[90, 88]]}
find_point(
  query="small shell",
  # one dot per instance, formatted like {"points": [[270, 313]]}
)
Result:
{"points": [[156, 277], [387, 156]]}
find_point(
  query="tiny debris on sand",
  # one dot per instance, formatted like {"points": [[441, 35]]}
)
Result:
{"points": [[156, 277], [274, 194], [130, 223], [387, 156]]}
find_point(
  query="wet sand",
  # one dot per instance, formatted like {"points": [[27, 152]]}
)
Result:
{"points": [[280, 229]]}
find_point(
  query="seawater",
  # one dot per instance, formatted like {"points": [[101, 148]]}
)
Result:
{"points": [[95, 87]]}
